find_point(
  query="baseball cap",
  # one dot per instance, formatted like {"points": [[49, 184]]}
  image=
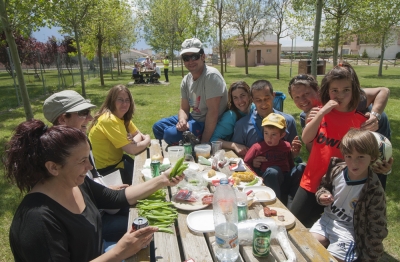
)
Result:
{"points": [[274, 120], [192, 45], [66, 101]]}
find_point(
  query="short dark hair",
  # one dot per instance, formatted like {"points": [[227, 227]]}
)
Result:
{"points": [[32, 145], [307, 80], [260, 85]]}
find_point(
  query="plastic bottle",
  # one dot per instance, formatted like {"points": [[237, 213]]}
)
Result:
{"points": [[225, 222]]}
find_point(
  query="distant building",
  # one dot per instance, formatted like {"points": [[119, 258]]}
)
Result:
{"points": [[133, 54], [259, 53]]}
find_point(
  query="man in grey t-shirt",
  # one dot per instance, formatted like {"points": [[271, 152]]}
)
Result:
{"points": [[203, 91]]}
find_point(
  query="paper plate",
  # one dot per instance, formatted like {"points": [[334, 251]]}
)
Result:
{"points": [[289, 221], [147, 174], [218, 175], [244, 184], [201, 221], [261, 193], [186, 205]]}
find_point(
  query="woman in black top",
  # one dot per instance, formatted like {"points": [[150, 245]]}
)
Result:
{"points": [[58, 220]]}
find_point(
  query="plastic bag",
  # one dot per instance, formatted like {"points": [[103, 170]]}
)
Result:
{"points": [[246, 231]]}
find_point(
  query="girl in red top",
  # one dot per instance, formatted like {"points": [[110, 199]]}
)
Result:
{"points": [[340, 94]]}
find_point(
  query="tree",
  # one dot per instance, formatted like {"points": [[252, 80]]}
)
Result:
{"points": [[380, 24], [249, 18], [21, 17], [279, 25], [72, 16], [228, 45]]}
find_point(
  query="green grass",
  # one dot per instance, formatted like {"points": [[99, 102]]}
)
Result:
{"points": [[157, 101]]}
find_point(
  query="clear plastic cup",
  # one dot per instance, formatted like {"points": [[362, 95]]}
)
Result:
{"points": [[215, 146], [175, 153]]}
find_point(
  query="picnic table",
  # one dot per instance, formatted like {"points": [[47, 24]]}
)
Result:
{"points": [[185, 244]]}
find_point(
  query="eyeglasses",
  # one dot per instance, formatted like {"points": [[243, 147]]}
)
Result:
{"points": [[83, 113], [120, 100], [193, 57]]}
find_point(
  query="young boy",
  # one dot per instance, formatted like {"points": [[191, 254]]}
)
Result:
{"points": [[354, 223], [277, 169]]}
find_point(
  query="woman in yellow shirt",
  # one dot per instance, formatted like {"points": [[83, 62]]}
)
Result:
{"points": [[112, 134]]}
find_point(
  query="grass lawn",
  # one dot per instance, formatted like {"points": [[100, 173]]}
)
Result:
{"points": [[156, 101]]}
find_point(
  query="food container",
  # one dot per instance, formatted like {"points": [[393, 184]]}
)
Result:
{"points": [[203, 150], [175, 153]]}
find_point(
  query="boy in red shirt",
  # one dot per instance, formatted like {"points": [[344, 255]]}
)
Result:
{"points": [[277, 169]]}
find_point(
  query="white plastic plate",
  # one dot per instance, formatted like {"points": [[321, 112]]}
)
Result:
{"points": [[218, 175], [261, 193], [201, 221]]}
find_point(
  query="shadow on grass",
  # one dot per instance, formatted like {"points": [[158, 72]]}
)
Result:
{"points": [[387, 258]]}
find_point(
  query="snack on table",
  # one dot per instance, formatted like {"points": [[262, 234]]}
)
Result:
{"points": [[246, 176], [236, 180], [211, 173], [207, 199], [269, 212]]}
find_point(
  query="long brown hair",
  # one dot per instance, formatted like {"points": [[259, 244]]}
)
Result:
{"points": [[342, 71], [109, 105]]}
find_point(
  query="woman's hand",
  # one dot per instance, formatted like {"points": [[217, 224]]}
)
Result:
{"points": [[326, 199], [173, 181], [239, 149], [133, 241], [372, 124]]}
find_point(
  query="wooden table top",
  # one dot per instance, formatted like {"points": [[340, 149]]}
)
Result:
{"points": [[185, 244]]}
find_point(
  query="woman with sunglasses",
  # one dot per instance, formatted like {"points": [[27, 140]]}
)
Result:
{"points": [[113, 133], [239, 105]]}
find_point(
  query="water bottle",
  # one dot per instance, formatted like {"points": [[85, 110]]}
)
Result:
{"points": [[225, 222]]}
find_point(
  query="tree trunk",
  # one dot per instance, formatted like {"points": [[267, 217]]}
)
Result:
{"points": [[111, 67], [278, 58], [100, 56], [17, 63], [246, 59], [336, 43], [78, 47], [316, 38], [382, 54], [220, 39], [225, 61]]}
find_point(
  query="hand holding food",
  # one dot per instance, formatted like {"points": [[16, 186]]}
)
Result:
{"points": [[326, 199]]}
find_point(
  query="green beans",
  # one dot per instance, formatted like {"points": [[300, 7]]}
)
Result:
{"points": [[253, 182], [158, 212], [178, 169]]}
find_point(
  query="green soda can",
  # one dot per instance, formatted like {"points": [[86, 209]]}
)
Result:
{"points": [[155, 168], [261, 240], [188, 150], [242, 210]]}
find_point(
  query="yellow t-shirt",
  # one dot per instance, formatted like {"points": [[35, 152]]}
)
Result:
{"points": [[108, 137]]}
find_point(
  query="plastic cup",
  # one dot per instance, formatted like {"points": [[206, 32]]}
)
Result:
{"points": [[202, 150], [215, 146], [175, 153]]}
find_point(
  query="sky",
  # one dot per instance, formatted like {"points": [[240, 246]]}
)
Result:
{"points": [[44, 33]]}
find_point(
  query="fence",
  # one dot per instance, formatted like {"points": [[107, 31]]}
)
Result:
{"points": [[42, 79]]}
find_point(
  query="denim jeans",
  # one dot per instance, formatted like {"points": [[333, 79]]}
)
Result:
{"points": [[115, 226], [166, 129]]}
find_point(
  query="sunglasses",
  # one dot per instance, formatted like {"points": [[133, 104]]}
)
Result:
{"points": [[193, 57], [83, 113]]}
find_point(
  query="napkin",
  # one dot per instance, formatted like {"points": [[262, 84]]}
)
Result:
{"points": [[238, 167]]}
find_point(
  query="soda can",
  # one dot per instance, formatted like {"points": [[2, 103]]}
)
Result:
{"points": [[139, 222], [261, 240], [155, 168], [242, 210]]}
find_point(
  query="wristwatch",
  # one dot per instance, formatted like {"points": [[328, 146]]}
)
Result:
{"points": [[377, 115]]}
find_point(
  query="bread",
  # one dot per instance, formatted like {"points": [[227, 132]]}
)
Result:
{"points": [[211, 173]]}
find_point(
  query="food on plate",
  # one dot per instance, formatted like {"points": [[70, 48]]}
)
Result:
{"points": [[158, 157], [211, 173], [249, 192], [253, 182], [281, 218], [236, 181], [185, 195], [246, 176], [207, 199], [269, 212]]}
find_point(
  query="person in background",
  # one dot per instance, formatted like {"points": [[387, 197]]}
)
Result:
{"points": [[166, 65], [203, 90], [156, 75], [112, 133], [304, 91], [136, 73], [239, 105], [356, 231], [276, 172], [148, 64], [59, 218]]}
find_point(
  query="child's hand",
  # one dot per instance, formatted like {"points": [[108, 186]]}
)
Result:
{"points": [[328, 107], [326, 199], [258, 161]]}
